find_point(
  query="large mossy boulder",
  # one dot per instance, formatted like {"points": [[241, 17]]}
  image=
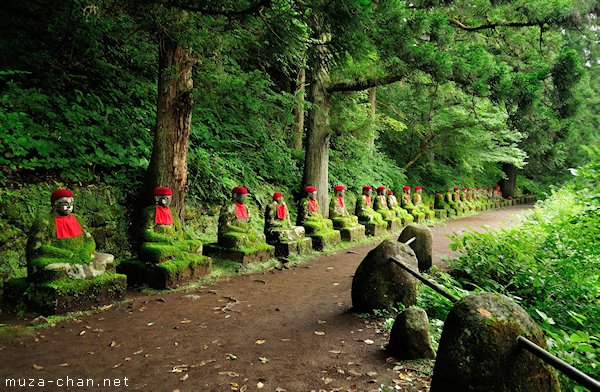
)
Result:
{"points": [[379, 283], [478, 349], [422, 245], [409, 338]]}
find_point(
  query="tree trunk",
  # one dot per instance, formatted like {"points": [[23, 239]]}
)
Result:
{"points": [[372, 108], [168, 165], [299, 109], [507, 186], [316, 157]]}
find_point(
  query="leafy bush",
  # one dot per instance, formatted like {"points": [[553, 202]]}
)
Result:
{"points": [[549, 263]]}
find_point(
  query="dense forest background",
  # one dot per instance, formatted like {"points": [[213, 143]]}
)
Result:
{"points": [[482, 91]]}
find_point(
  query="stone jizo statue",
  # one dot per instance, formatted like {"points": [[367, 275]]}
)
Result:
{"points": [[394, 205], [380, 205], [235, 230], [337, 209], [278, 226], [60, 246], [163, 237], [309, 214]]}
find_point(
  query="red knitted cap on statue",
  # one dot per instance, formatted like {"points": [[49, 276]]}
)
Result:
{"points": [[339, 188], [310, 189], [390, 192], [60, 193], [456, 188], [464, 189], [367, 188], [478, 189], [418, 188], [239, 190], [405, 188], [497, 186], [277, 195], [162, 191], [381, 188]]}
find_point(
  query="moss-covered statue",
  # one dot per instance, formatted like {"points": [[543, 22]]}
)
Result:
{"points": [[278, 226], [60, 246], [337, 209], [464, 198], [317, 227], [343, 221], [420, 205], [408, 205], [440, 204], [380, 205], [373, 221], [456, 198], [279, 231], [163, 238], [235, 230], [394, 205], [64, 271]]}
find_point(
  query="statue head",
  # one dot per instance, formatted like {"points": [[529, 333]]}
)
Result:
{"points": [[419, 189], [381, 190], [367, 190], [464, 190], [239, 194], [163, 196], [390, 192], [62, 202], [406, 189], [311, 192], [278, 197], [456, 189], [339, 190]]}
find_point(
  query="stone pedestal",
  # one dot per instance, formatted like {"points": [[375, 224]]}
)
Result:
{"points": [[260, 253], [325, 239], [350, 234], [441, 214], [285, 249], [167, 275], [394, 225], [372, 229], [65, 295]]}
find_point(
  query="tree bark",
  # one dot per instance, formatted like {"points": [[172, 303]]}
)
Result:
{"points": [[168, 165], [299, 109], [316, 157], [507, 186]]}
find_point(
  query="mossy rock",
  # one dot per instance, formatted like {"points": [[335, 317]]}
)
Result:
{"points": [[375, 229], [409, 338], [167, 275], [254, 253], [478, 349], [67, 295], [298, 247], [379, 283], [351, 234], [325, 239], [422, 245]]}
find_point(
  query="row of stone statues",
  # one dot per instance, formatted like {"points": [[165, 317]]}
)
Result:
{"points": [[60, 246]]}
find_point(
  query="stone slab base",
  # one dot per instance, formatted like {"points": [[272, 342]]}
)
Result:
{"points": [[285, 249], [264, 253], [441, 214], [350, 234], [321, 241], [64, 296], [167, 275], [371, 229], [394, 225]]}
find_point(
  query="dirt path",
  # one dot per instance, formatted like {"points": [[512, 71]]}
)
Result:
{"points": [[286, 330]]}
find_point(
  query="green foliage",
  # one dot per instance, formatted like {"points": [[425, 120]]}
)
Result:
{"points": [[549, 264]]}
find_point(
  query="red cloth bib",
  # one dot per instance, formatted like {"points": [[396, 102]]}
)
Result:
{"points": [[340, 201], [67, 227], [281, 211], [312, 205], [241, 211], [163, 216], [368, 199], [382, 200]]}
